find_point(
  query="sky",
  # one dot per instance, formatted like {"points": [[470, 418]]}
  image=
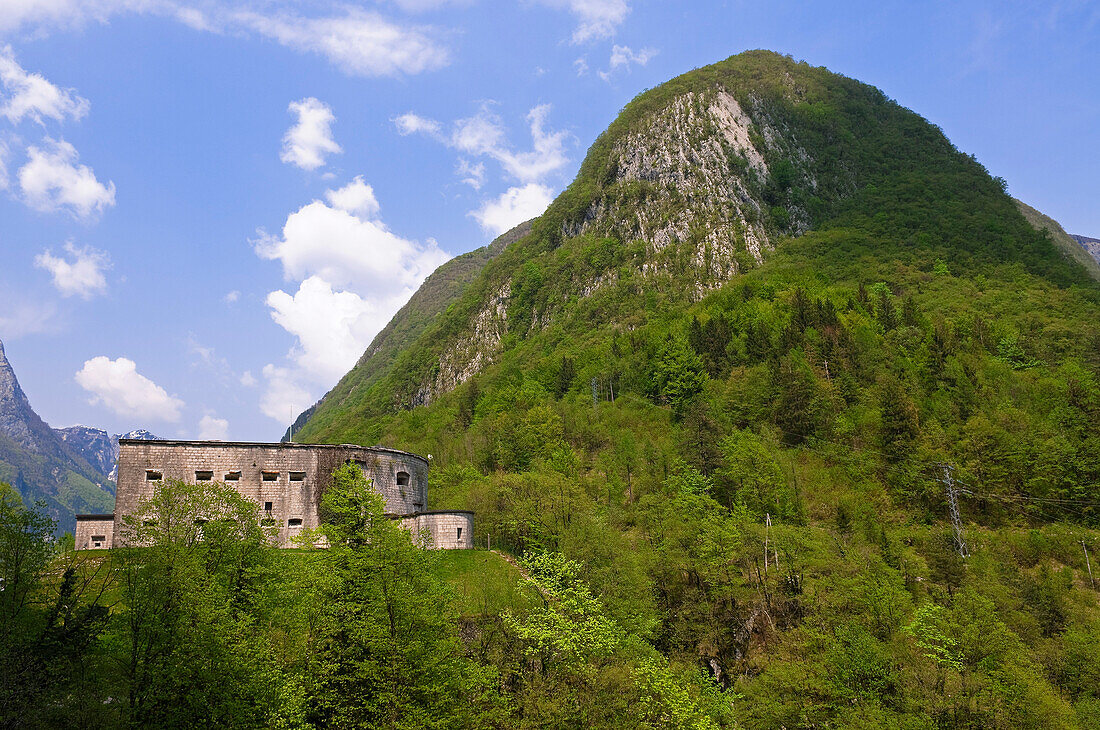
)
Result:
{"points": [[208, 209]]}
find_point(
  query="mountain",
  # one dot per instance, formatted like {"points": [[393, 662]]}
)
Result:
{"points": [[809, 402], [40, 464], [695, 183], [1074, 247], [1092, 245], [99, 448]]}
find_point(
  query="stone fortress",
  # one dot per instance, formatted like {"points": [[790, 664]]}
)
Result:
{"points": [[286, 481]]}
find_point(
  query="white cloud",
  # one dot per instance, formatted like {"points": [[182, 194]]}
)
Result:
{"points": [[409, 123], [80, 274], [359, 43], [483, 134], [310, 139], [231, 297], [356, 198], [474, 173], [513, 207], [248, 380], [52, 179], [4, 183], [31, 95], [420, 6], [348, 251], [623, 56], [353, 275], [581, 65], [284, 397], [212, 428], [596, 19], [333, 327], [118, 385]]}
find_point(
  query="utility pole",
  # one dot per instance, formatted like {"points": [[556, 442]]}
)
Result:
{"points": [[1088, 565], [952, 488]]}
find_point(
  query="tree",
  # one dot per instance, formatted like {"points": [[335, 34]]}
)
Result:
{"points": [[386, 652], [678, 376]]}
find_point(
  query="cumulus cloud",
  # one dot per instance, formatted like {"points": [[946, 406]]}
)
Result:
{"points": [[212, 428], [353, 273], [333, 327], [348, 251], [248, 380], [31, 95], [596, 19], [513, 207], [307, 142], [471, 174], [231, 297], [81, 273], [360, 43], [356, 198], [118, 385], [51, 180], [622, 57]]}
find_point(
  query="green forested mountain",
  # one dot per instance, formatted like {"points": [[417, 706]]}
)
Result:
{"points": [[727, 371]]}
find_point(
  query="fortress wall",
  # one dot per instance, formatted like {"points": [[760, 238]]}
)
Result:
{"points": [[444, 530], [294, 501], [94, 531]]}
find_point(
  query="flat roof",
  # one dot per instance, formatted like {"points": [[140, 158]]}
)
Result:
{"points": [[95, 517], [264, 445]]}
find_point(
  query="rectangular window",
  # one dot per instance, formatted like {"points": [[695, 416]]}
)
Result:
{"points": [[153, 476], [297, 476], [460, 533], [294, 522], [267, 506], [203, 476], [270, 476], [232, 476]]}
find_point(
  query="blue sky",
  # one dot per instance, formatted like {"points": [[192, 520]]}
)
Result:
{"points": [[207, 209]]}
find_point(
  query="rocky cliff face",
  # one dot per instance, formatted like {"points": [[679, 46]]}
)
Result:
{"points": [[1092, 245], [99, 448], [40, 464]]}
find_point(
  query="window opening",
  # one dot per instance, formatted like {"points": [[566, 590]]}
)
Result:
{"points": [[294, 522], [233, 476], [402, 478], [151, 475], [203, 476], [267, 506], [297, 476], [460, 533], [270, 476]]}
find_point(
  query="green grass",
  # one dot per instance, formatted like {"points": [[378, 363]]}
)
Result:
{"points": [[483, 582]]}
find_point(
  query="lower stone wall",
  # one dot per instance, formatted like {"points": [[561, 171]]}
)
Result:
{"points": [[442, 530], [94, 532]]}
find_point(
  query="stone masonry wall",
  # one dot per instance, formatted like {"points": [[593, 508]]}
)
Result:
{"points": [[442, 530], [400, 477], [94, 531]]}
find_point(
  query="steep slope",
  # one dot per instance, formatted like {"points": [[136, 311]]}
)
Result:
{"points": [[439, 291], [695, 182], [1091, 245], [1072, 246], [39, 464]]}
